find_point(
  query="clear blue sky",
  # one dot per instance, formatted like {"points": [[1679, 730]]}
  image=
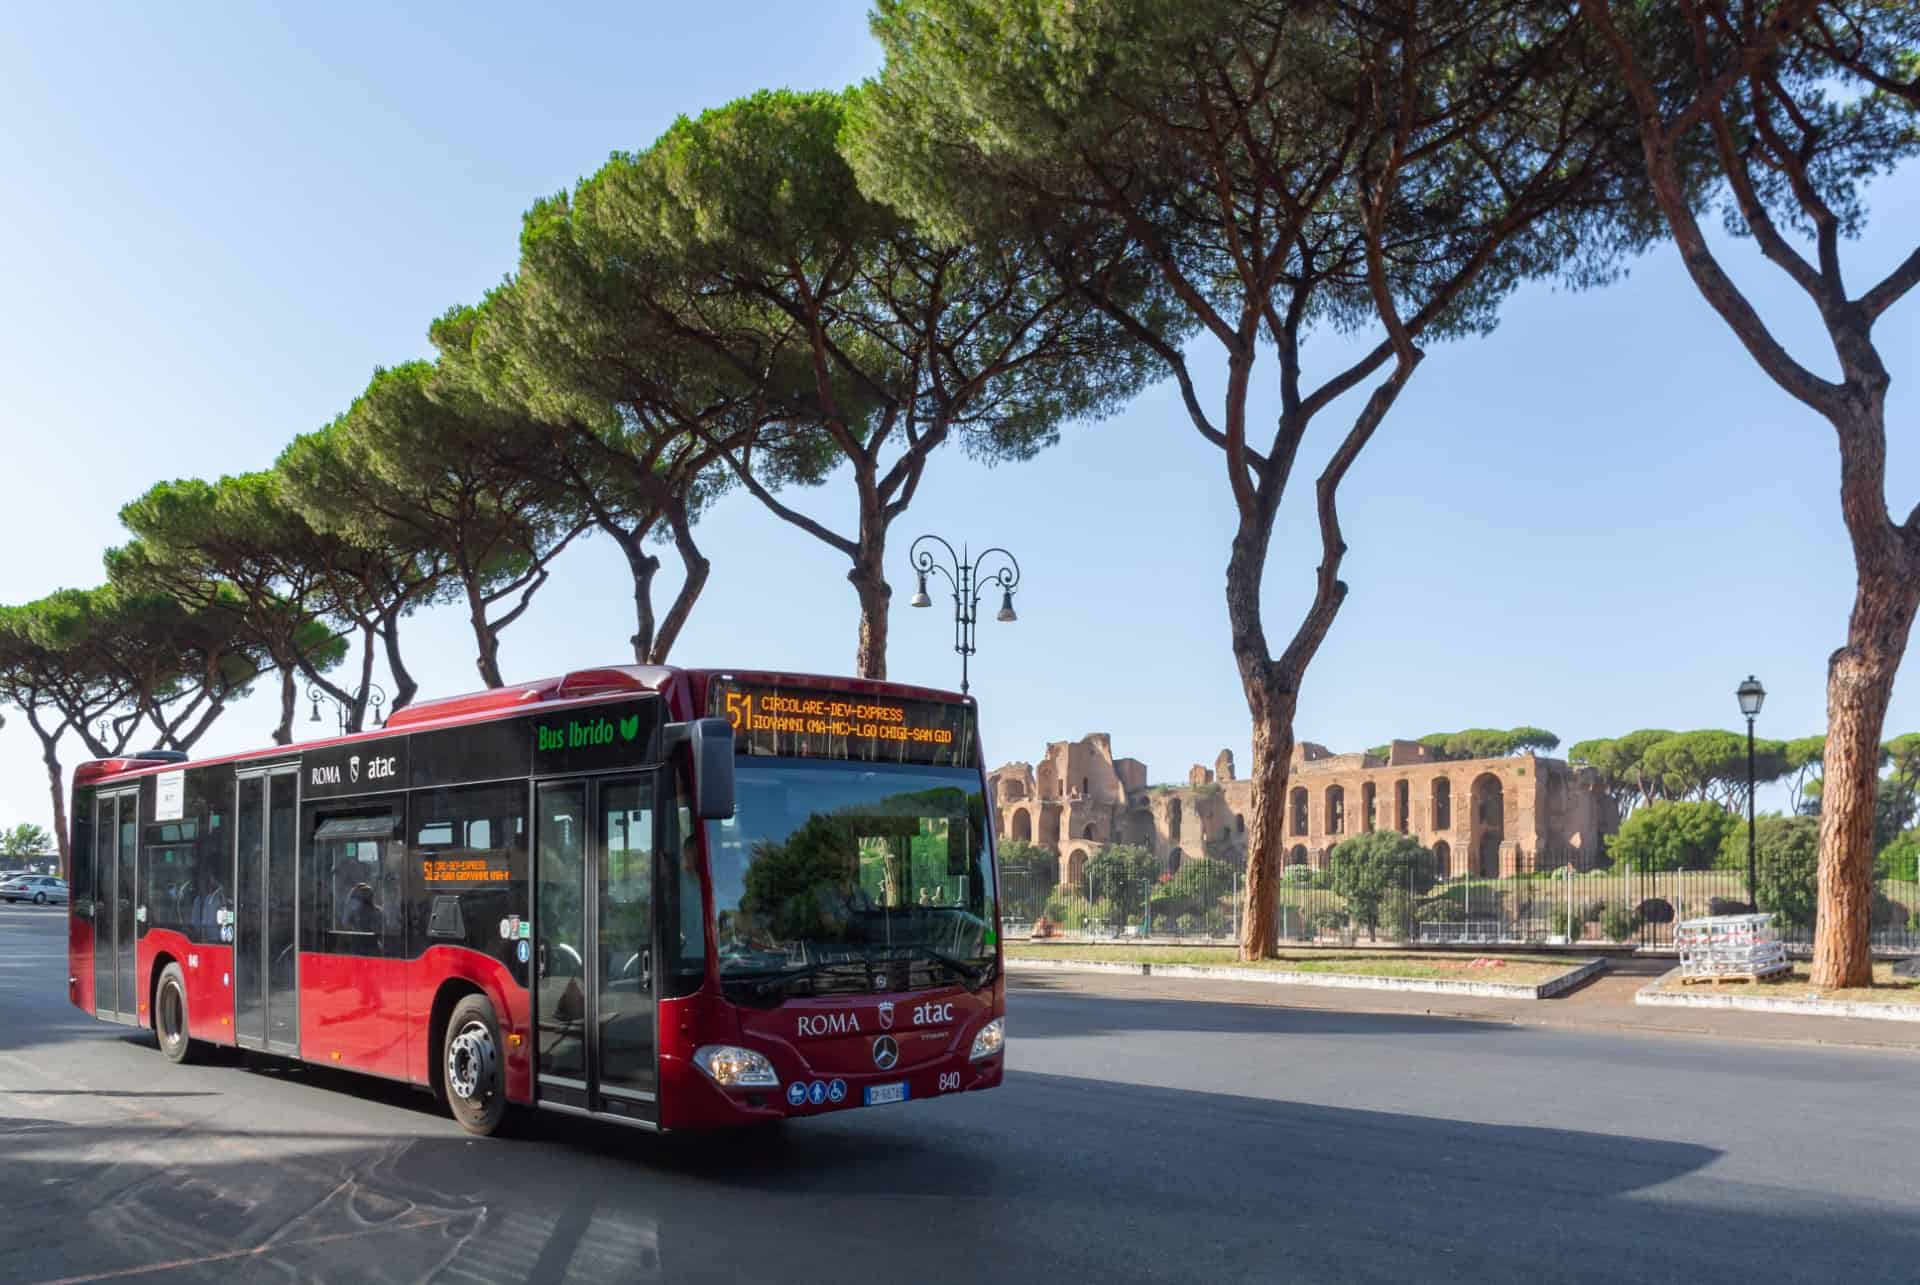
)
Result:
{"points": [[1598, 519]]}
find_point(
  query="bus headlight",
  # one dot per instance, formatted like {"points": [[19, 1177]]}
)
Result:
{"points": [[735, 1068], [991, 1039]]}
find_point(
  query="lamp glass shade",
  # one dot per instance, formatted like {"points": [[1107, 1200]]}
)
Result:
{"points": [[1006, 608], [1751, 695], [315, 717], [920, 598]]}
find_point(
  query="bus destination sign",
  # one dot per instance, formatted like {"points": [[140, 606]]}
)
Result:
{"points": [[801, 722]]}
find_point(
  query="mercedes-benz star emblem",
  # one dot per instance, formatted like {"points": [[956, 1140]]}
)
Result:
{"points": [[885, 1052]]}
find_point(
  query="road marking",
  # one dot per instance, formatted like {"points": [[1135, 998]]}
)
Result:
{"points": [[255, 1252]]}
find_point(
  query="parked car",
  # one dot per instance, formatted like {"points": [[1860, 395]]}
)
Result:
{"points": [[39, 889]]}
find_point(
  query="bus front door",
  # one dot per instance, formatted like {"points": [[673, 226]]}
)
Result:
{"points": [[593, 957]]}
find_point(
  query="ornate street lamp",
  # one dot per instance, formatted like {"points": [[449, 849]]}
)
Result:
{"points": [[374, 695], [968, 580], [1752, 695]]}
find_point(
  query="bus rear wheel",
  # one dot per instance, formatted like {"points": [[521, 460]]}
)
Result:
{"points": [[170, 1015], [475, 1078]]}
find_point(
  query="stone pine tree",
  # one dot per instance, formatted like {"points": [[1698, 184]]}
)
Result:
{"points": [[236, 547], [181, 663], [443, 475], [1795, 105], [871, 345], [103, 663], [1621, 764], [368, 581], [1285, 170], [636, 417]]}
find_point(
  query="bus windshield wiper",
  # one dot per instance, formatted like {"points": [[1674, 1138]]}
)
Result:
{"points": [[763, 980], [975, 973]]}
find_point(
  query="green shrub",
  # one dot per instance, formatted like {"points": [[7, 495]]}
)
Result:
{"points": [[1618, 923], [1671, 836], [1367, 868], [1065, 908], [1399, 914], [1899, 859], [1787, 861]]}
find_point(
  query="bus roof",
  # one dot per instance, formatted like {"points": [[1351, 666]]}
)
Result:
{"points": [[685, 691]]}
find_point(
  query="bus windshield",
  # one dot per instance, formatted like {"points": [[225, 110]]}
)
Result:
{"points": [[836, 877]]}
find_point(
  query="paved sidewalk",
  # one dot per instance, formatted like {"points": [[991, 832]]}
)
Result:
{"points": [[1603, 1004]]}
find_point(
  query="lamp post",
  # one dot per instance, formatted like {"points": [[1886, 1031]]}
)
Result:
{"points": [[968, 579], [374, 695], [1751, 695]]}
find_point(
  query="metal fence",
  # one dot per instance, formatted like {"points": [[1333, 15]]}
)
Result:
{"points": [[1202, 901]]}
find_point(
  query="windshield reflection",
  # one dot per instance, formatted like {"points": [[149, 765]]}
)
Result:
{"points": [[838, 876]]}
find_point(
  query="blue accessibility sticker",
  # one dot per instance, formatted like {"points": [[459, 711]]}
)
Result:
{"points": [[817, 1092], [526, 950], [837, 1091], [797, 1093]]}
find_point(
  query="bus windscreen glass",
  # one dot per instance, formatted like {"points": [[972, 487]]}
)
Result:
{"points": [[836, 878]]}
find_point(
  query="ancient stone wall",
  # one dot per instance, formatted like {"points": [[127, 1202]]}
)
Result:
{"points": [[1488, 817]]}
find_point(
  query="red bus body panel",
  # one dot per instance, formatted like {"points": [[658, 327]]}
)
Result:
{"points": [[209, 973], [358, 1012], [369, 1014], [80, 963]]}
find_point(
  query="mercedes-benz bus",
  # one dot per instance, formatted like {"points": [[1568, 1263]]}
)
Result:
{"points": [[671, 898]]}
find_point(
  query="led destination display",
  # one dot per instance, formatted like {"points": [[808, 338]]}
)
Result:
{"points": [[808, 723]]}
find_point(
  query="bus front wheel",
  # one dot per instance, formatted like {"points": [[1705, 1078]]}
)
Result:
{"points": [[475, 1078]]}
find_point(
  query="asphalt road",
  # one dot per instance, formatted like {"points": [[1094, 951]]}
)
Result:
{"points": [[1135, 1140]]}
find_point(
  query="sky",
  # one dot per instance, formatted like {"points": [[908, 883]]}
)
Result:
{"points": [[1601, 517]]}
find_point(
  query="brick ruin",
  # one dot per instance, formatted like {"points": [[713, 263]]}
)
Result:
{"points": [[1490, 817]]}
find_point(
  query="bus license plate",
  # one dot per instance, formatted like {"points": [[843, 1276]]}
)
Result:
{"points": [[878, 1095]]}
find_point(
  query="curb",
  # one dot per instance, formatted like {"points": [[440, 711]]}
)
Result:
{"points": [[1352, 981], [1807, 1006]]}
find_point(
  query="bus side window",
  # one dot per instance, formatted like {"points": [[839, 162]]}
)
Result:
{"points": [[357, 860]]}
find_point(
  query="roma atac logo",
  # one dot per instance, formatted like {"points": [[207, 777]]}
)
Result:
{"points": [[886, 1015]]}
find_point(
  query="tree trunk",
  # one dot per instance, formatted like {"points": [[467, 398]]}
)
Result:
{"points": [[697, 569], [1272, 711], [1270, 703], [57, 787], [643, 566], [283, 734], [486, 642], [357, 715], [404, 686], [1859, 685], [870, 583]]}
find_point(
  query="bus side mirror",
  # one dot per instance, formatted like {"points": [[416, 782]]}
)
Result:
{"points": [[711, 743]]}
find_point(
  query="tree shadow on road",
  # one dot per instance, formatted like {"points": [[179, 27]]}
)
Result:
{"points": [[1061, 1176]]}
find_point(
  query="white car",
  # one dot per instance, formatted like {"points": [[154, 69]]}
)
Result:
{"points": [[39, 889]]}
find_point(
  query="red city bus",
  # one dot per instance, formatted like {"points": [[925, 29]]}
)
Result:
{"points": [[678, 899]]}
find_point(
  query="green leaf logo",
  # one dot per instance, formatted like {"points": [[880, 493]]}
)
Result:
{"points": [[629, 728]]}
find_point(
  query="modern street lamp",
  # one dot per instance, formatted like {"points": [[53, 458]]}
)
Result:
{"points": [[968, 580], [1751, 695], [373, 693]]}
